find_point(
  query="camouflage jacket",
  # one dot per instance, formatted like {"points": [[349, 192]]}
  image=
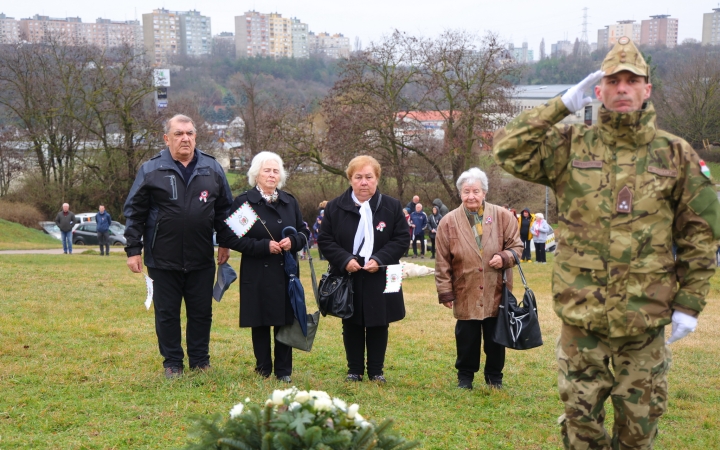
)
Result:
{"points": [[625, 192]]}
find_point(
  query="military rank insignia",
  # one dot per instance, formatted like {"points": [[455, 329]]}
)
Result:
{"points": [[705, 169], [624, 201]]}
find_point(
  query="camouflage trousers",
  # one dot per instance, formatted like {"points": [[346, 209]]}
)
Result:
{"points": [[631, 370]]}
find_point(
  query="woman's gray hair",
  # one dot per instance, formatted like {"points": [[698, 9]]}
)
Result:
{"points": [[473, 175], [257, 163]]}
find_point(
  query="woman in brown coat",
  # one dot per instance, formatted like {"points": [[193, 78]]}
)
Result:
{"points": [[473, 249]]}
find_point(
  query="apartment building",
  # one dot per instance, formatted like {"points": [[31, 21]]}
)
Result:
{"points": [[252, 35], [9, 29], [195, 33], [280, 36], [711, 28], [522, 54], [608, 36], [334, 46], [660, 30], [561, 48], [161, 35], [299, 39], [103, 33]]}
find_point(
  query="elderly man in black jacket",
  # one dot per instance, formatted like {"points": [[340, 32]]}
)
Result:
{"points": [[179, 196]]}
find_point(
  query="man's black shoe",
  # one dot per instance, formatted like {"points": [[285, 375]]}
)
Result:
{"points": [[285, 379], [173, 372], [465, 384]]}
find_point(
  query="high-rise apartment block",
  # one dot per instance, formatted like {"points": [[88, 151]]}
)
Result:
{"points": [[332, 46], [195, 36], [522, 54], [258, 34], [608, 37], [168, 34], [9, 30], [252, 35], [300, 33], [280, 33], [711, 28], [104, 33], [161, 33], [659, 30]]}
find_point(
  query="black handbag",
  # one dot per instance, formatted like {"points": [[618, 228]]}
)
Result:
{"points": [[517, 326], [335, 295]]}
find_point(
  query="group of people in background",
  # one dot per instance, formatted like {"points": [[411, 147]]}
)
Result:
{"points": [[533, 228], [419, 222]]}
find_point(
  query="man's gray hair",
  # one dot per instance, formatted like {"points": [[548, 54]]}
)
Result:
{"points": [[473, 175], [257, 163], [180, 118]]}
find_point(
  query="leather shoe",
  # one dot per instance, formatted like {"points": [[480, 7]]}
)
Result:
{"points": [[285, 379], [378, 379], [173, 372], [353, 377], [465, 384]]}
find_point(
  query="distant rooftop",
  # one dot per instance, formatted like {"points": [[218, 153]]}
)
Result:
{"points": [[542, 91]]}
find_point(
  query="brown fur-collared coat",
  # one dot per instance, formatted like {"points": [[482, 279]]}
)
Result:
{"points": [[462, 273]]}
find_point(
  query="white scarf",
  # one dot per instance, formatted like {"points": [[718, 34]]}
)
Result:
{"points": [[364, 230]]}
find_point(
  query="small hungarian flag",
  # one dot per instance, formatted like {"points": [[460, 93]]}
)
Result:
{"points": [[704, 169], [242, 219]]}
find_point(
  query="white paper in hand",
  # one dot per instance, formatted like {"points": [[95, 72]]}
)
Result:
{"points": [[393, 278], [242, 219], [149, 284]]}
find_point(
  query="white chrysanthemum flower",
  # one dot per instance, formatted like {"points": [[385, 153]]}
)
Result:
{"points": [[339, 404], [360, 422], [319, 394], [352, 410], [247, 399], [236, 410], [323, 404], [294, 406], [277, 397], [302, 396]]}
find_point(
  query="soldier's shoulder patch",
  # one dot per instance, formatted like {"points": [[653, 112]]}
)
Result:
{"points": [[705, 169]]}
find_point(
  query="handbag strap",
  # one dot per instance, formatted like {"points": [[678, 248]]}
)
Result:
{"points": [[313, 277], [517, 262]]}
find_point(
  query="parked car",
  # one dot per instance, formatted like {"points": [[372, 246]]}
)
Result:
{"points": [[85, 217], [86, 234], [51, 228]]}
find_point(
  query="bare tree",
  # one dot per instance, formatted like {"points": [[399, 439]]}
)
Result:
{"points": [[688, 100], [468, 83], [12, 160]]}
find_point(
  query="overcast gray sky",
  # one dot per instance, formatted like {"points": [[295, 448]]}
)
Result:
{"points": [[514, 20]]}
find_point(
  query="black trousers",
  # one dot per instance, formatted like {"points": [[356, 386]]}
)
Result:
{"points": [[468, 336], [263, 356], [104, 240], [421, 239], [526, 250], [169, 289], [432, 242], [356, 338], [540, 252]]}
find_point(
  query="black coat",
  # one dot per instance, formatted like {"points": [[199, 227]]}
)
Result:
{"points": [[264, 299], [337, 233], [174, 221]]}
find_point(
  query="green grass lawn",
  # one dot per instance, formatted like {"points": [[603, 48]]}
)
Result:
{"points": [[14, 236], [79, 368]]}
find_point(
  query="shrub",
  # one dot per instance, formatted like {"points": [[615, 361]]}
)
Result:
{"points": [[293, 419], [21, 213]]}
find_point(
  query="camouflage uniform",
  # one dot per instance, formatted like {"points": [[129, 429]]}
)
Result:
{"points": [[625, 192]]}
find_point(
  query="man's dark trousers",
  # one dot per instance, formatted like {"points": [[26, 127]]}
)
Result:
{"points": [[421, 239], [104, 241], [169, 288]]}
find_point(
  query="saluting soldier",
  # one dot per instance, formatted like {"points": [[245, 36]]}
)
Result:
{"points": [[626, 191]]}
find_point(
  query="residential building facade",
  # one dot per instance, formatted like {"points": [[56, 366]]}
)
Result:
{"points": [[9, 30], [195, 33], [280, 36], [561, 48], [299, 39], [608, 37], [161, 34], [103, 33], [252, 35], [711, 28], [334, 46], [660, 30], [522, 54]]}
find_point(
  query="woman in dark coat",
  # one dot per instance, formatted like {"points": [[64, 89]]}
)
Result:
{"points": [[359, 217], [264, 299]]}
